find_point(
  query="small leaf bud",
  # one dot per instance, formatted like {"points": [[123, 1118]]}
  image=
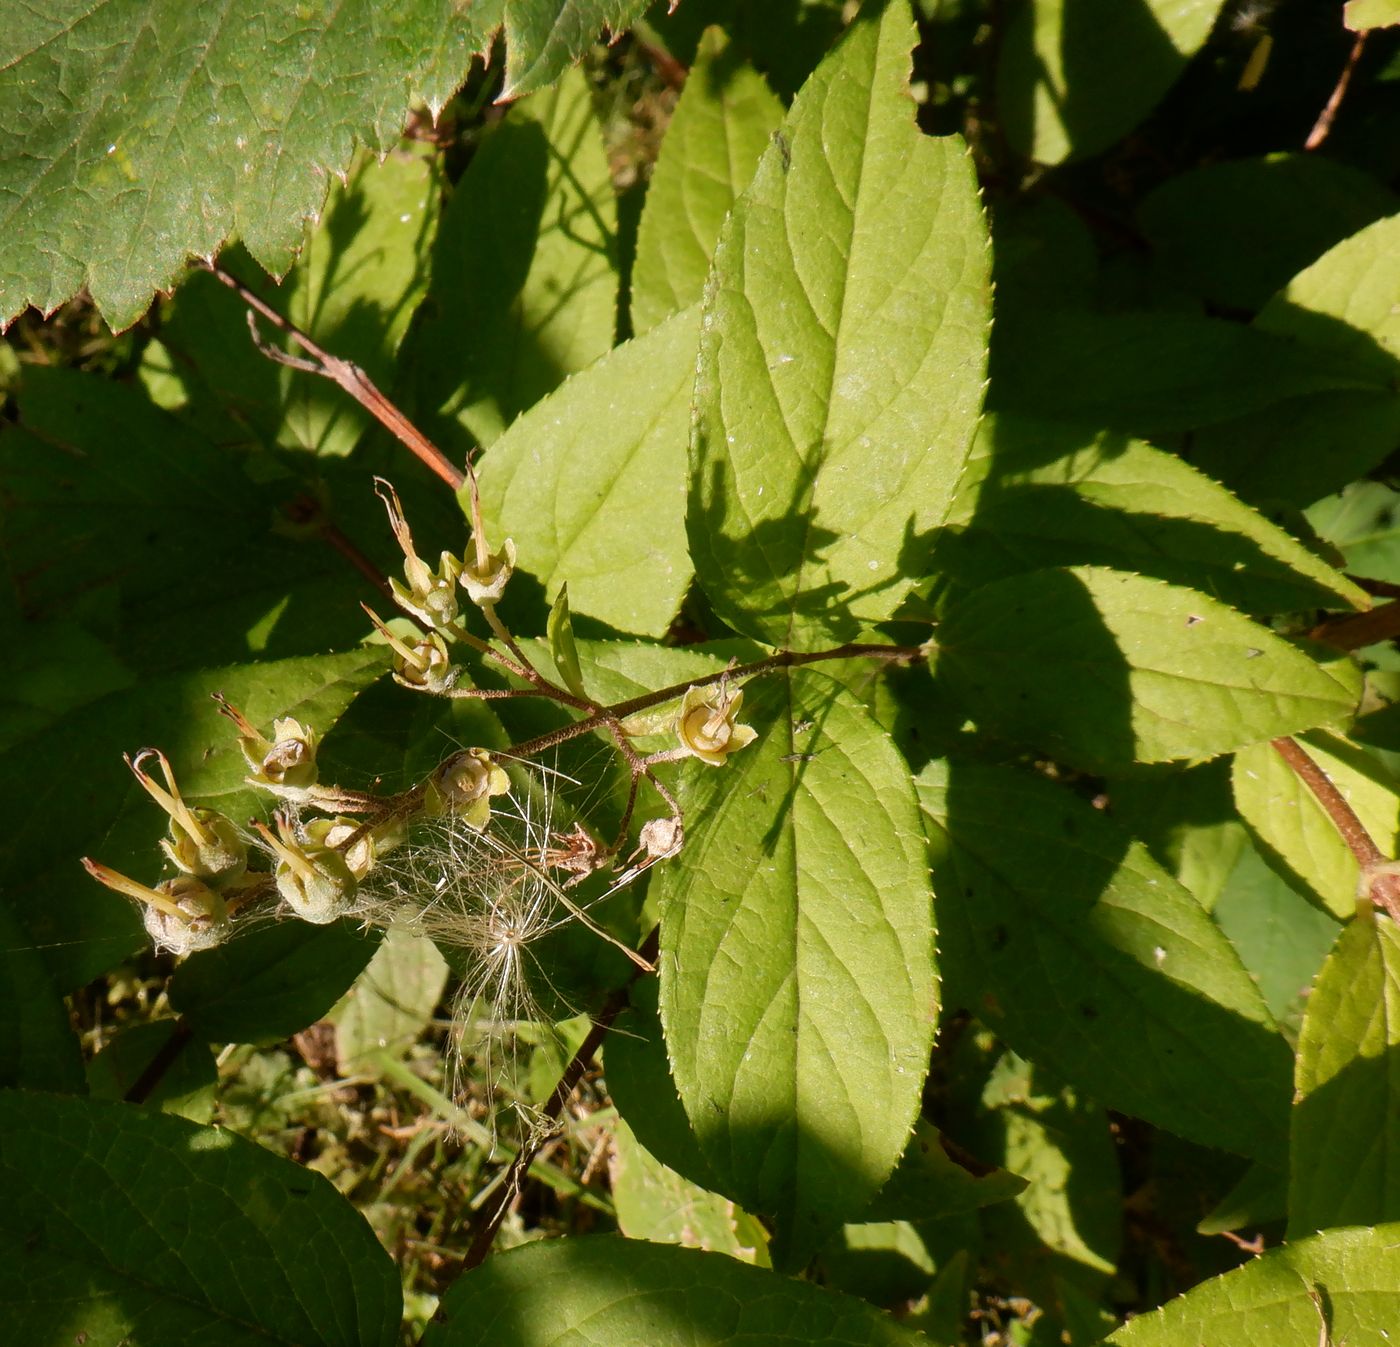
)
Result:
{"points": [[485, 581], [314, 879], [202, 842], [706, 723], [464, 785], [183, 915], [431, 596]]}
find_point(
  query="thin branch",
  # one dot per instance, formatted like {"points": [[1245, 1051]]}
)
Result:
{"points": [[1323, 126], [1354, 631], [348, 376], [573, 1073], [1381, 885]]}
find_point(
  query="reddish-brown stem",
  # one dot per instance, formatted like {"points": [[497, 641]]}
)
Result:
{"points": [[1323, 126], [348, 376], [1357, 630], [1382, 888]]}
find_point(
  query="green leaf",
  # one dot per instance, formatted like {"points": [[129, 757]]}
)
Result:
{"points": [[187, 1081], [641, 1085], [1155, 373], [798, 918], [1294, 830], [1360, 15], [657, 1204], [1101, 668], [49, 669], [38, 1047], [56, 814], [524, 287], [1066, 1225], [561, 643], [362, 273], [1342, 1287], [841, 359], [96, 472], [1042, 493], [1280, 936], [1085, 956], [544, 37], [1186, 818], [1363, 521], [617, 1291], [936, 1178], [590, 483], [257, 105], [1344, 1156], [1074, 77], [391, 1001], [1346, 306], [269, 983], [1235, 232], [722, 124], [121, 1224]]}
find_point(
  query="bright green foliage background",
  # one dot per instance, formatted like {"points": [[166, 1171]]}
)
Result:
{"points": [[1011, 965]]}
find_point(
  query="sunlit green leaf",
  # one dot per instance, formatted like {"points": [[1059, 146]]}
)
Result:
{"points": [[391, 1001], [590, 483], [841, 359], [798, 919], [657, 1204], [1103, 668], [1298, 833], [1342, 1287], [1041, 493]]}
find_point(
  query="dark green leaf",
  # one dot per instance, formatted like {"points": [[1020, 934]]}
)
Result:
{"points": [[1086, 957], [124, 1225], [38, 1048], [626, 1293], [1235, 232], [834, 410], [187, 1080], [257, 104], [721, 125], [1102, 669], [937, 1178], [1075, 77], [1344, 1156], [270, 983], [57, 813], [524, 287], [1150, 374], [1346, 306]]}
